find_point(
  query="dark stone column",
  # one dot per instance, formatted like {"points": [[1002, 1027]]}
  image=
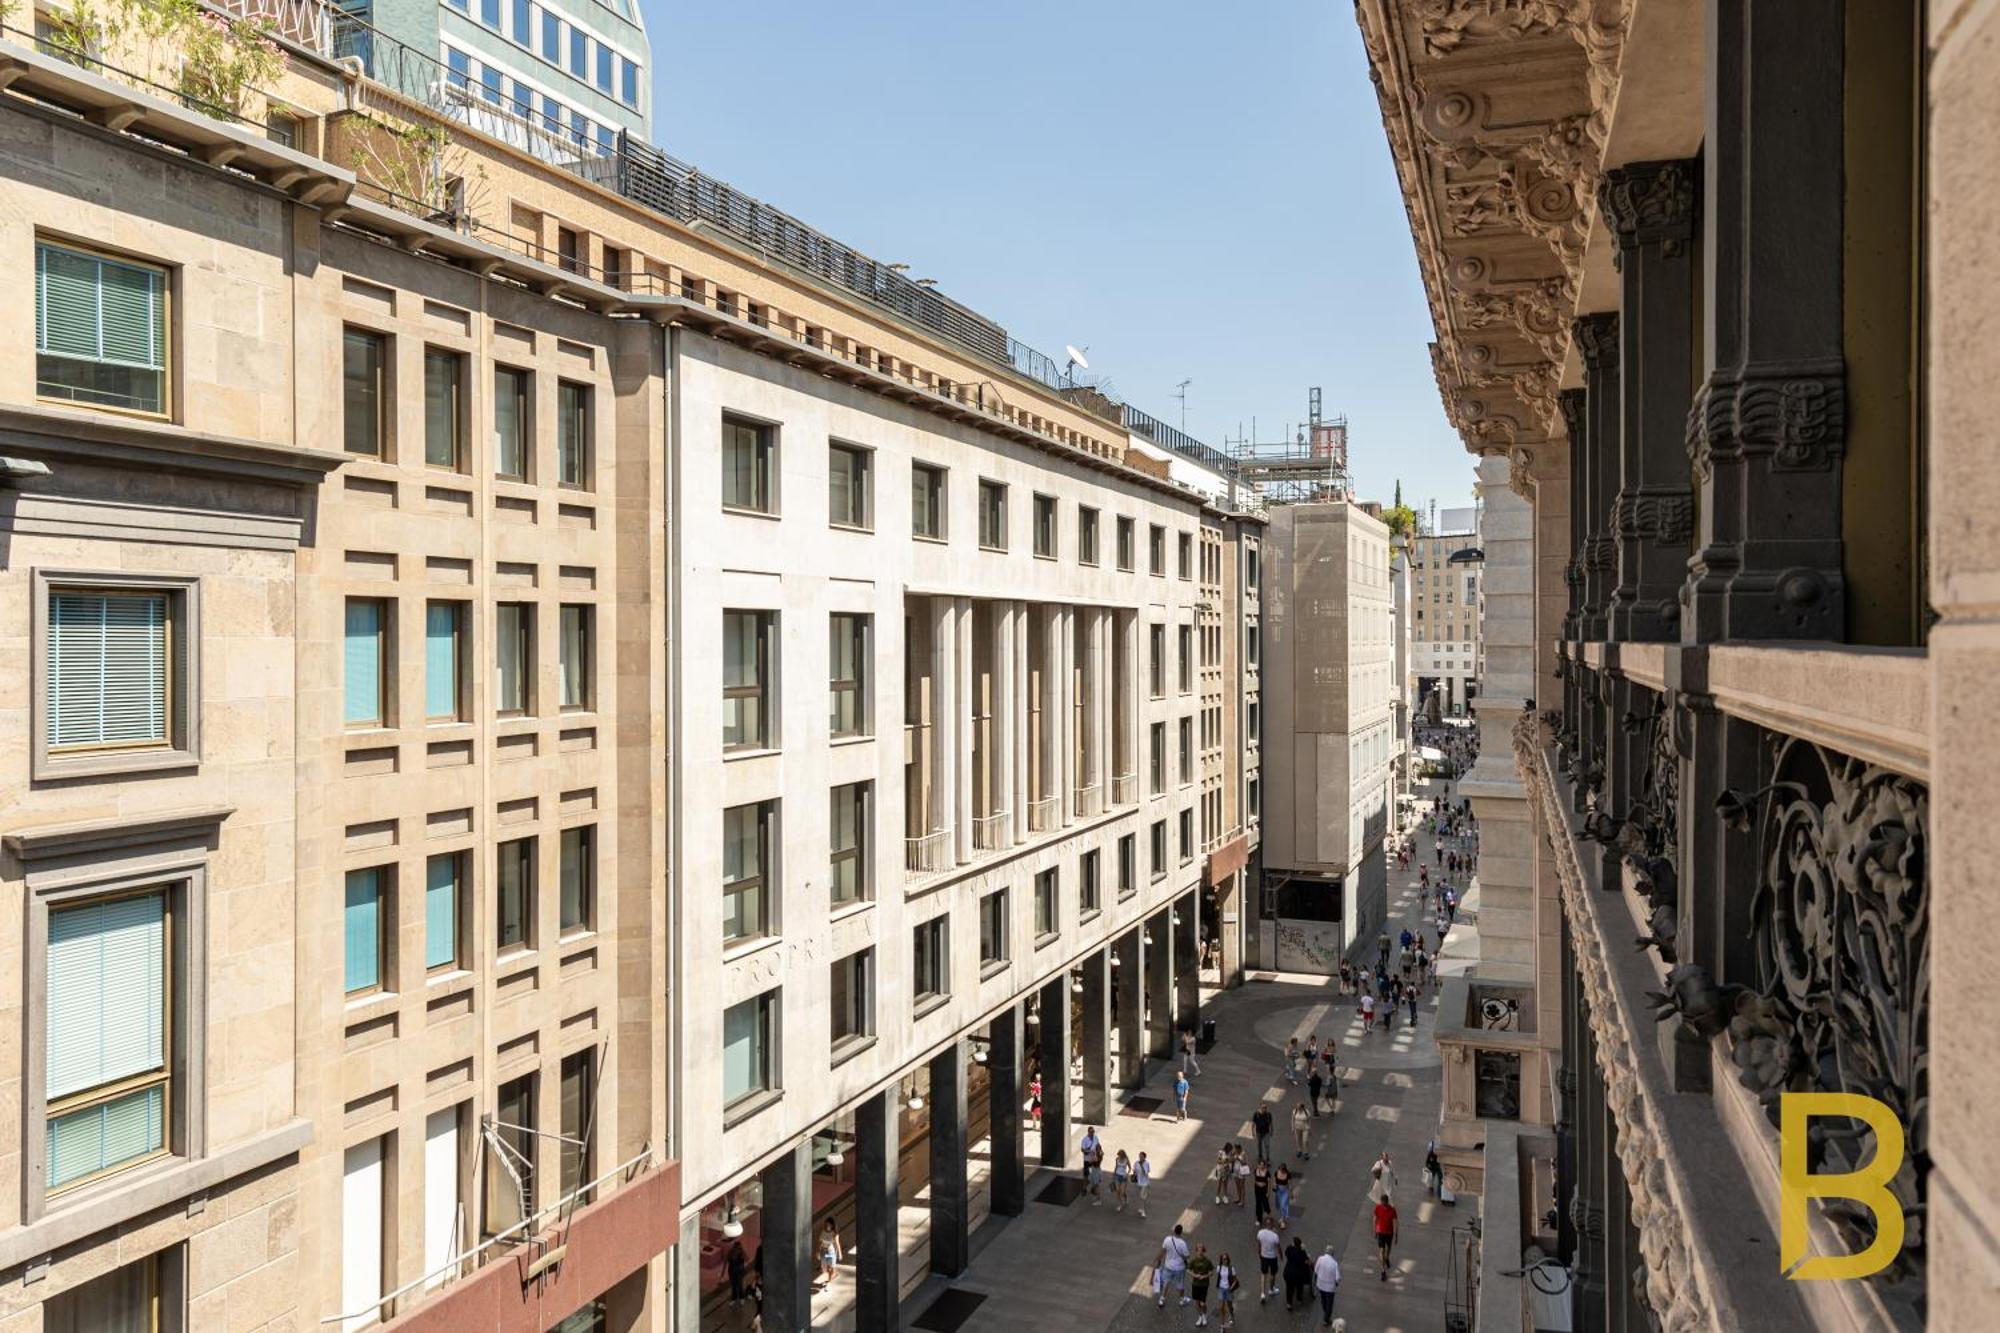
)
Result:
{"points": [[951, 1213], [787, 1236], [1649, 208], [1130, 1009], [1572, 403], [1589, 1207], [1052, 1040], [1596, 339], [1096, 1038], [1620, 790], [1159, 964], [1566, 1082], [1768, 428], [1007, 1093], [877, 1244], [1187, 964]]}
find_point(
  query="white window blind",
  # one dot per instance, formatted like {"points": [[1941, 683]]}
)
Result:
{"points": [[361, 1233], [441, 1239], [106, 1024], [108, 668], [98, 309]]}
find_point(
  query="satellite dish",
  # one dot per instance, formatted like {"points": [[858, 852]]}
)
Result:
{"points": [[1076, 357]]}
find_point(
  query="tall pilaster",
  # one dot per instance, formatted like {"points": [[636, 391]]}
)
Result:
{"points": [[1006, 720], [877, 1249], [1649, 207], [1023, 739], [962, 686], [1129, 1007], [1596, 339], [1159, 965], [944, 712], [1052, 1044], [951, 1211], [1066, 769], [1007, 1091], [1768, 429], [786, 1218], [1095, 1039]]}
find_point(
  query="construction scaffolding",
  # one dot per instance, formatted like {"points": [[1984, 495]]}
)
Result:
{"points": [[1307, 463]]}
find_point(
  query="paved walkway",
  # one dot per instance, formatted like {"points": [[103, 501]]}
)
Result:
{"points": [[1084, 1267]]}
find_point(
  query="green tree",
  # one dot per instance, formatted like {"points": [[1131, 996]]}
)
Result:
{"points": [[1402, 519]]}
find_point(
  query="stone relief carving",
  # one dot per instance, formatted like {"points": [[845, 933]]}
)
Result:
{"points": [[1648, 202], [1448, 25], [1800, 419]]}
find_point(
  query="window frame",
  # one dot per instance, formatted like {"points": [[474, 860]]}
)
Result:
{"points": [[385, 664], [1044, 508], [523, 614], [763, 464], [862, 644], [435, 355], [586, 889], [764, 884], [860, 1000], [529, 859], [863, 848], [385, 932], [939, 957], [1048, 904], [764, 688], [523, 395], [461, 662], [1184, 666], [1001, 941], [861, 486], [1127, 554], [169, 364], [1156, 550], [1159, 849], [994, 528], [1086, 535], [939, 503], [1090, 883], [579, 425], [584, 673], [183, 686], [461, 880], [383, 387], [768, 1082], [1128, 866], [1184, 556]]}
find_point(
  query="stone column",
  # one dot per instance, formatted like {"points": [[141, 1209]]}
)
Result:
{"points": [[1768, 428], [1096, 1037], [1066, 682], [962, 686], [1649, 208], [951, 1215], [787, 1232], [687, 1275], [1130, 1007], [1159, 965], [877, 1235], [1052, 1040], [1021, 739], [1588, 1209], [1507, 929], [1575, 415], [944, 714], [1104, 629], [1187, 963], [1005, 720], [1053, 728], [1135, 694], [1596, 338], [1006, 1093]]}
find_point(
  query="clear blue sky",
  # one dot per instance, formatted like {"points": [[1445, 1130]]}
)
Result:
{"points": [[1193, 190]]}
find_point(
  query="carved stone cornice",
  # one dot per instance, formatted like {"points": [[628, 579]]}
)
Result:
{"points": [[1597, 341], [1646, 203]]}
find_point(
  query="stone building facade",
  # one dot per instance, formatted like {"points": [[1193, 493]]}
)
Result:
{"points": [[1707, 291]]}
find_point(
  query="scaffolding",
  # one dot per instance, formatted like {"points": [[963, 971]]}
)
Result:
{"points": [[1306, 464]]}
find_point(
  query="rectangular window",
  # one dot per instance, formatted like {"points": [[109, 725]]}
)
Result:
{"points": [[1048, 903], [442, 876], [131, 1299], [577, 657], [1158, 753], [577, 908], [748, 647], [1187, 751], [513, 424], [573, 451], [852, 999], [514, 896], [569, 245], [992, 516], [444, 661], [524, 24], [1251, 800], [746, 882], [579, 54], [1159, 849], [552, 30], [513, 657], [364, 398], [1186, 556], [457, 68], [362, 921], [1086, 536], [628, 82], [1187, 836], [605, 57], [109, 1027], [1186, 663], [848, 657], [492, 84], [930, 959], [362, 1199], [365, 663], [444, 412], [993, 928], [1156, 550], [1128, 865], [850, 487], [1254, 726], [117, 661], [926, 501], [101, 330], [1089, 888], [1125, 545], [576, 1109], [489, 13], [510, 1195], [1045, 526], [1156, 660], [747, 1032], [849, 873], [749, 457]]}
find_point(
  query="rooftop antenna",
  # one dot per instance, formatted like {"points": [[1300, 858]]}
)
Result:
{"points": [[1180, 392], [1077, 362]]}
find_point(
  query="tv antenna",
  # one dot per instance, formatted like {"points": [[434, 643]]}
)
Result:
{"points": [[1077, 361], [1180, 392]]}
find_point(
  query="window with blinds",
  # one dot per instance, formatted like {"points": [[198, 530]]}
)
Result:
{"points": [[110, 669], [108, 1027], [365, 661], [100, 330], [362, 927], [441, 878]]}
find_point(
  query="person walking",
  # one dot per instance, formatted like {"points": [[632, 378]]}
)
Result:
{"points": [[1281, 1194], [1313, 1084], [1200, 1271], [1330, 1058], [1172, 1265], [1188, 1052], [1385, 1232], [1298, 1275], [1410, 998], [1268, 1251], [1433, 1170], [1227, 1283], [1367, 1010], [1121, 1172], [1302, 1131], [738, 1263], [1346, 976], [1092, 1148], [828, 1250], [1142, 1179], [1180, 1094], [1224, 1169], [1261, 1122], [1291, 1061], [1260, 1180], [1382, 1178], [1326, 1281]]}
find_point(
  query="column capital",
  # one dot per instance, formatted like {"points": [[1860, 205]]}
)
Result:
{"points": [[1648, 202], [1596, 338], [1570, 402]]}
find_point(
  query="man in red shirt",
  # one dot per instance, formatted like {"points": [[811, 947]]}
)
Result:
{"points": [[1385, 1231]]}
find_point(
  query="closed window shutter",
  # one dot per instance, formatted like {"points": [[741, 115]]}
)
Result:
{"points": [[441, 660], [66, 322], [107, 681], [441, 911], [364, 929], [107, 992], [364, 661], [99, 309], [132, 315], [97, 1138]]}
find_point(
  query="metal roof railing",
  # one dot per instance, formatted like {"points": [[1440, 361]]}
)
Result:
{"points": [[1178, 441]]}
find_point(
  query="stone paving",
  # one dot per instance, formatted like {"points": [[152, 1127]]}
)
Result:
{"points": [[1088, 1267]]}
